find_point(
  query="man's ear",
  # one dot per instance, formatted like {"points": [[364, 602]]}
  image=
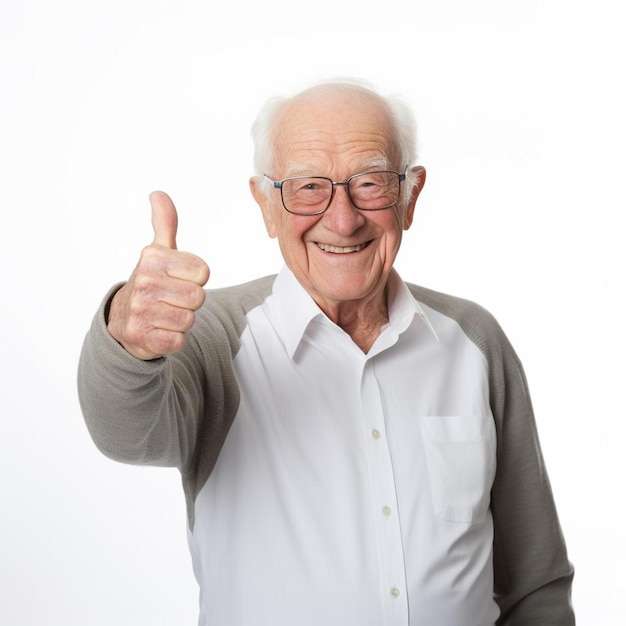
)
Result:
{"points": [[262, 199], [417, 175]]}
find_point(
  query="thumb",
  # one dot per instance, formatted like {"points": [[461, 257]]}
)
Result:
{"points": [[164, 219]]}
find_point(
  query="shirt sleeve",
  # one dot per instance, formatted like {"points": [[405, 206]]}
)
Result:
{"points": [[533, 576]]}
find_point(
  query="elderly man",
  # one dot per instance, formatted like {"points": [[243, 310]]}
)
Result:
{"points": [[355, 450]]}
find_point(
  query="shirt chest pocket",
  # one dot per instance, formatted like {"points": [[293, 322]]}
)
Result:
{"points": [[460, 454]]}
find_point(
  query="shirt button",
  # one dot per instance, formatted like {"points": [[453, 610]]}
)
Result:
{"points": [[395, 592], [387, 513], [376, 433]]}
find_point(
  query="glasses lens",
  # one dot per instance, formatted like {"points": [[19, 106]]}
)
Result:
{"points": [[306, 196], [372, 191]]}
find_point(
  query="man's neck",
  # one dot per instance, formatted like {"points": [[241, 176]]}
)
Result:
{"points": [[362, 320]]}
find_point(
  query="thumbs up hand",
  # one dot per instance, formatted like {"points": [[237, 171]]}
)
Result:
{"points": [[151, 313]]}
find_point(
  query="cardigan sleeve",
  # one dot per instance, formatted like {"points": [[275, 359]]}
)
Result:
{"points": [[533, 576], [139, 412], [173, 411], [532, 573]]}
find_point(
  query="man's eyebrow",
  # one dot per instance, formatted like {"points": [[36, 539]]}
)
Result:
{"points": [[382, 163], [296, 169]]}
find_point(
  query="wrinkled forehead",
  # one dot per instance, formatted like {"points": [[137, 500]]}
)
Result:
{"points": [[335, 130]]}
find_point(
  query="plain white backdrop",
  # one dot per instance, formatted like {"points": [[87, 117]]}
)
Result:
{"points": [[519, 107]]}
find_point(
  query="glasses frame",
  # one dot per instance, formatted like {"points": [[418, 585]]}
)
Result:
{"points": [[278, 184]]}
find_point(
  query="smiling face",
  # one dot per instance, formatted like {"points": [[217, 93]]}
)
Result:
{"points": [[342, 257]]}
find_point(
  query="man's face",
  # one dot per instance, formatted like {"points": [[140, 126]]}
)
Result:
{"points": [[343, 255]]}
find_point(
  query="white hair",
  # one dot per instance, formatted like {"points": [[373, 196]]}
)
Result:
{"points": [[404, 139]]}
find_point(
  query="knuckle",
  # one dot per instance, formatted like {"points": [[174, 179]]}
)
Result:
{"points": [[137, 308], [203, 273], [135, 331], [198, 297], [169, 342], [142, 281], [148, 254], [188, 318]]}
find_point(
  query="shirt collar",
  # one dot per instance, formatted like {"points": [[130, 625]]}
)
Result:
{"points": [[403, 307], [293, 309]]}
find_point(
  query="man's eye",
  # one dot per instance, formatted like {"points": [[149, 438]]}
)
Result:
{"points": [[365, 183]]}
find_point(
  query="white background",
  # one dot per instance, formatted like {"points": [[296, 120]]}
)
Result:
{"points": [[519, 106]]}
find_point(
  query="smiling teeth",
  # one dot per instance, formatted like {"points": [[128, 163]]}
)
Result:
{"points": [[337, 250]]}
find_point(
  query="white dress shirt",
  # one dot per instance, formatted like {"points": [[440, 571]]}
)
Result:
{"points": [[352, 488]]}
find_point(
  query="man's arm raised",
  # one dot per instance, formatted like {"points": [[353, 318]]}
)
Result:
{"points": [[151, 313]]}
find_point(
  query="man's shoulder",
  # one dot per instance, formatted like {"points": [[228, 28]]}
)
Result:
{"points": [[236, 301], [447, 304], [478, 323], [224, 314], [252, 292]]}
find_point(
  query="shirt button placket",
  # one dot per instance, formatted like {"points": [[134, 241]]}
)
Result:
{"points": [[393, 574]]}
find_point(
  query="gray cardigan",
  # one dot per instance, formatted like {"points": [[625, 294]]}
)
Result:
{"points": [[118, 395]]}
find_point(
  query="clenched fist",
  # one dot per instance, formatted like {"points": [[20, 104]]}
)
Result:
{"points": [[151, 313]]}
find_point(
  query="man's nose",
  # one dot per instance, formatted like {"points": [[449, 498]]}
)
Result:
{"points": [[342, 216]]}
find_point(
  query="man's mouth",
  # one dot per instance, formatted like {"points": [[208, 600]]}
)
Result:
{"points": [[341, 249]]}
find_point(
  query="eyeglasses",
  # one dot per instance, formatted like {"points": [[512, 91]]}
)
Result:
{"points": [[312, 195]]}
